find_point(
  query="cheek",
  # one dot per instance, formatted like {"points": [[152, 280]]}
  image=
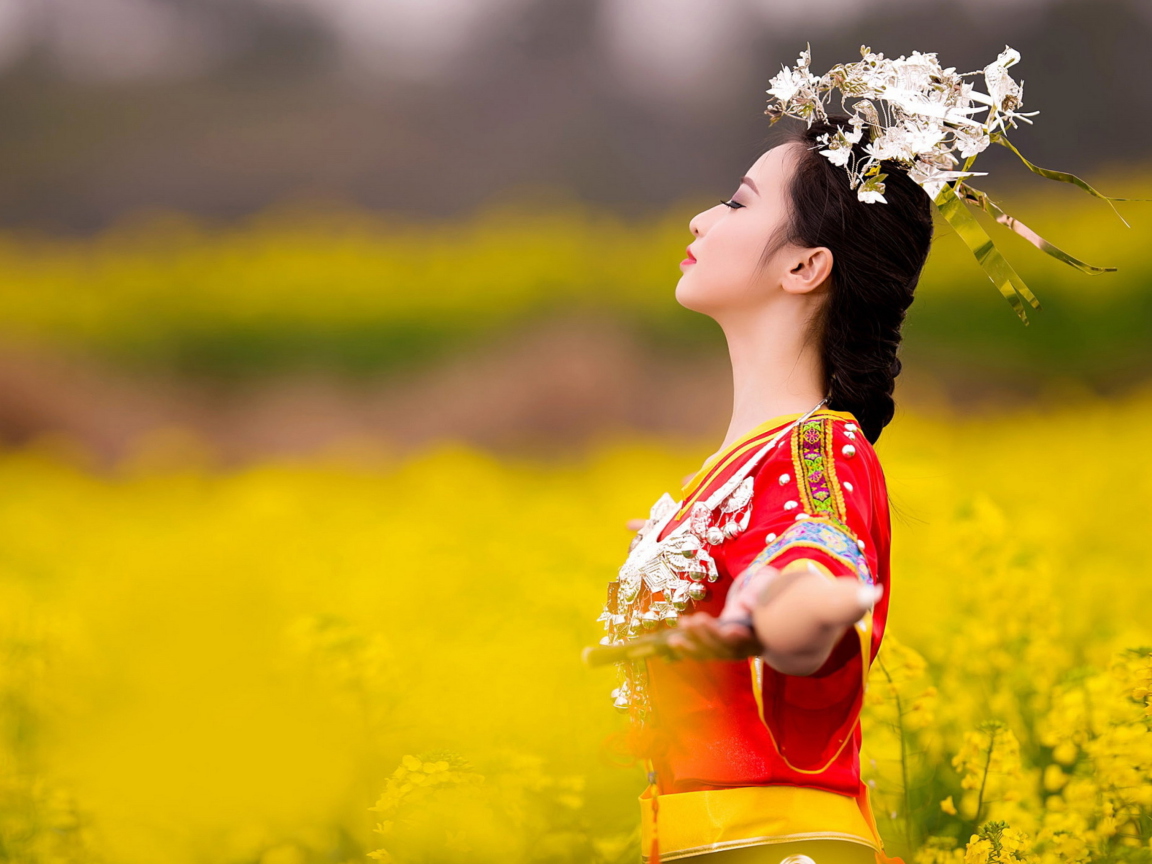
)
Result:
{"points": [[726, 276]]}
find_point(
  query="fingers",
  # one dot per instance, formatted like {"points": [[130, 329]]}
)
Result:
{"points": [[703, 637], [635, 524], [740, 638], [744, 595]]}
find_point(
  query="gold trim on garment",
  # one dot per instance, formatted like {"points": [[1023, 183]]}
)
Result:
{"points": [[710, 820]]}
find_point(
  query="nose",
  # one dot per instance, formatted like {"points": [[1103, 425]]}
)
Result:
{"points": [[697, 224], [694, 224]]}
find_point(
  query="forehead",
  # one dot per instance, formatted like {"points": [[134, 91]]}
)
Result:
{"points": [[774, 165]]}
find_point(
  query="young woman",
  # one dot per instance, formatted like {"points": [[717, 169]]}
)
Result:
{"points": [[749, 722]]}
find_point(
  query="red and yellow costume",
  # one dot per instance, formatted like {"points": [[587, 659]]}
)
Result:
{"points": [[740, 754]]}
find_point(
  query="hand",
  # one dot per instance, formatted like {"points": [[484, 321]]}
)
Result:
{"points": [[731, 636], [701, 636], [754, 587]]}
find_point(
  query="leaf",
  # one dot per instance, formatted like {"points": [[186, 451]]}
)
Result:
{"points": [[986, 204], [1006, 280]]}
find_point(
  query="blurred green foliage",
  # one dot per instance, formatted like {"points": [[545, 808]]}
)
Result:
{"points": [[330, 287]]}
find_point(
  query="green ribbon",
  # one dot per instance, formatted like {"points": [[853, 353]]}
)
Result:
{"points": [[1006, 280], [1063, 176], [986, 204]]}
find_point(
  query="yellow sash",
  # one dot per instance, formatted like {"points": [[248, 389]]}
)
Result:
{"points": [[692, 823]]}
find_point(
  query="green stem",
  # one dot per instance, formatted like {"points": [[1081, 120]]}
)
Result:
{"points": [[984, 779]]}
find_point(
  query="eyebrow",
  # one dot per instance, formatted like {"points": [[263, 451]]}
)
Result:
{"points": [[748, 180]]}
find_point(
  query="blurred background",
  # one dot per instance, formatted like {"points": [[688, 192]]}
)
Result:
{"points": [[283, 222], [315, 312]]}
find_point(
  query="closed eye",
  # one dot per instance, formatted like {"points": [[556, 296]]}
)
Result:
{"points": [[732, 203]]}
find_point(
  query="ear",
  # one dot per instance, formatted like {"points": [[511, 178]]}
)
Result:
{"points": [[808, 270]]}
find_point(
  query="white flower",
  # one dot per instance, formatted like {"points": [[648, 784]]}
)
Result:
{"points": [[837, 156], [892, 143], [970, 142], [839, 149], [871, 191], [786, 84], [921, 115], [916, 73], [923, 135], [1005, 93], [792, 84], [932, 178]]}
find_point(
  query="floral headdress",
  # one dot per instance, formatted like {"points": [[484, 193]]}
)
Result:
{"points": [[919, 116]]}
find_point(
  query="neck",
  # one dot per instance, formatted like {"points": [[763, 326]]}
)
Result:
{"points": [[774, 370]]}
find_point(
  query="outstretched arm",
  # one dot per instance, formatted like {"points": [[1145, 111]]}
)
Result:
{"points": [[793, 618]]}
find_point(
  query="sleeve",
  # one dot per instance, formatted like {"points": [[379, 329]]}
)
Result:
{"points": [[821, 499]]}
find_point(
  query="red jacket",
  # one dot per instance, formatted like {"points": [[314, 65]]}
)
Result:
{"points": [[819, 495]]}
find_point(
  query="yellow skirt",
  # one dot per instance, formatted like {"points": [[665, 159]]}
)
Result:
{"points": [[780, 820]]}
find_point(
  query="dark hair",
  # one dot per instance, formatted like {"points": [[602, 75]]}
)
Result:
{"points": [[878, 251]]}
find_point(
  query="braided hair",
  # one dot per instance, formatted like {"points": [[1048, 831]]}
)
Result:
{"points": [[878, 251]]}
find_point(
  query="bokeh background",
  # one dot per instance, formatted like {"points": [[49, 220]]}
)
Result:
{"points": [[338, 342]]}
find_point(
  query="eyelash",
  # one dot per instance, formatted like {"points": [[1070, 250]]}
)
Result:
{"points": [[732, 203]]}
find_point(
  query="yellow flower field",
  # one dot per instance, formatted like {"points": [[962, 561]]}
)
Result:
{"points": [[319, 660], [341, 288]]}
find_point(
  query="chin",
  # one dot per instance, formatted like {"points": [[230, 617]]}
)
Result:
{"points": [[690, 296], [687, 296]]}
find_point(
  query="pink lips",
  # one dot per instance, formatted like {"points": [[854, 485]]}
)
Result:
{"points": [[691, 259]]}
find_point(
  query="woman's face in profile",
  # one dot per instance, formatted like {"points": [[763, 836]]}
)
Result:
{"points": [[725, 275]]}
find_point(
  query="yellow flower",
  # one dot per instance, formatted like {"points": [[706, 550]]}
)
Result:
{"points": [[1065, 753], [947, 806], [1054, 778], [978, 852]]}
